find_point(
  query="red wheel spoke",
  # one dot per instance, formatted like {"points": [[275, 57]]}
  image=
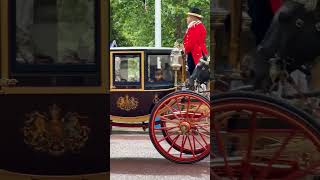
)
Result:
{"points": [[171, 108], [197, 110], [166, 128], [179, 107], [202, 116], [199, 142], [165, 137], [194, 142], [222, 151], [276, 155], [203, 128], [203, 125], [202, 134], [192, 150], [203, 139], [301, 173], [188, 107], [182, 146], [173, 112], [251, 138], [164, 119], [174, 141]]}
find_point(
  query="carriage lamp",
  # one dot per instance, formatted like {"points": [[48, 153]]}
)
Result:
{"points": [[175, 64]]}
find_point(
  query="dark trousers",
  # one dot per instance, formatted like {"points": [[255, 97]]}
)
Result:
{"points": [[191, 65]]}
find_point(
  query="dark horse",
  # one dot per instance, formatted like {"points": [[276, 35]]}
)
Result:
{"points": [[293, 36]]}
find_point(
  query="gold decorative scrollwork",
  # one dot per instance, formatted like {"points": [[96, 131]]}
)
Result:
{"points": [[127, 103], [156, 99], [55, 133]]}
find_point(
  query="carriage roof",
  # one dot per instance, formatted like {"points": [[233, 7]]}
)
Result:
{"points": [[165, 49]]}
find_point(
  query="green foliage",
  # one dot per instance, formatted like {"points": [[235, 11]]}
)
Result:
{"points": [[132, 23]]}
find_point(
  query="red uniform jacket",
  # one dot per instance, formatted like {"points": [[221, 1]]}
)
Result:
{"points": [[195, 40]]}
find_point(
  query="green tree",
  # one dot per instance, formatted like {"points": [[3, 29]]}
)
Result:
{"points": [[132, 21]]}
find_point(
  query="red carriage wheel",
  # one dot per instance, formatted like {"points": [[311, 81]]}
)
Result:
{"points": [[171, 141], [180, 127], [258, 137]]}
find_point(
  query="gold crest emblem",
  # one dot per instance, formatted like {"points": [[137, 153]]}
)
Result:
{"points": [[127, 103], [156, 99], [55, 133]]}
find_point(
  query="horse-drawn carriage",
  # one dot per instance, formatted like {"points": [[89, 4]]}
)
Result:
{"points": [[144, 94]]}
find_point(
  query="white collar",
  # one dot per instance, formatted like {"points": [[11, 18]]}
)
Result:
{"points": [[193, 23]]}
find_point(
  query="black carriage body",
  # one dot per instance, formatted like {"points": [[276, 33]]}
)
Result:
{"points": [[133, 99], [35, 139], [53, 89]]}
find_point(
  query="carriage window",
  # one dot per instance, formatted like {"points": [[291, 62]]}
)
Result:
{"points": [[127, 71], [54, 42], [54, 32], [159, 72]]}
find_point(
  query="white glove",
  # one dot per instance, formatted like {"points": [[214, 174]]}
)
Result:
{"points": [[204, 62]]}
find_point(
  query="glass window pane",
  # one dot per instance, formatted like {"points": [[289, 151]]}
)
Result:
{"points": [[56, 42], [160, 73], [55, 31], [127, 71]]}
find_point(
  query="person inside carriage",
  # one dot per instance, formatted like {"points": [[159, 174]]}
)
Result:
{"points": [[194, 43], [159, 76]]}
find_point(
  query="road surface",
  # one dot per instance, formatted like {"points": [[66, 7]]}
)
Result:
{"points": [[133, 157]]}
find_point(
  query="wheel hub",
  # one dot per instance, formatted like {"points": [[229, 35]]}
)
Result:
{"points": [[185, 127]]}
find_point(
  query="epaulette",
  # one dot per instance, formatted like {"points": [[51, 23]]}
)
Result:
{"points": [[194, 24], [197, 22]]}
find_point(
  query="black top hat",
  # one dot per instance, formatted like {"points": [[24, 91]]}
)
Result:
{"points": [[195, 12]]}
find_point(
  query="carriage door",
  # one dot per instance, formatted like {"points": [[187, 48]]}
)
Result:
{"points": [[127, 70], [54, 118]]}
